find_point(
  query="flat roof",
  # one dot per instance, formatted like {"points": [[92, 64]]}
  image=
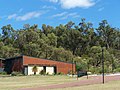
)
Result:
{"points": [[14, 57], [36, 58]]}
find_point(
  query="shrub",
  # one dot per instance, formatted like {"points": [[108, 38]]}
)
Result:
{"points": [[16, 74], [47, 73], [53, 74], [42, 72], [95, 70], [3, 73], [60, 73], [70, 72], [117, 70], [35, 69], [81, 66], [98, 70]]}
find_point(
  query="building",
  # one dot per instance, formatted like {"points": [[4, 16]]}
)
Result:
{"points": [[25, 65], [1, 64]]}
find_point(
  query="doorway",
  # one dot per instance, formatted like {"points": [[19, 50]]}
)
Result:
{"points": [[44, 68], [55, 70]]}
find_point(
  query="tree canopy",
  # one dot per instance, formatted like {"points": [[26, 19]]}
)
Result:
{"points": [[79, 42]]}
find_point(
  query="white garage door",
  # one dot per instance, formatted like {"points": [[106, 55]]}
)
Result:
{"points": [[30, 72], [50, 70]]}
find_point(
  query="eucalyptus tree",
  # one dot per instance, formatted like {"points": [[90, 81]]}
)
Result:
{"points": [[8, 34], [88, 36], [46, 29], [106, 33], [60, 54]]}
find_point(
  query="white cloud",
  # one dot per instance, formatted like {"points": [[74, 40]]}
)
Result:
{"points": [[24, 17], [70, 15], [68, 4], [54, 1], [49, 7], [101, 9], [20, 10], [66, 15], [12, 16], [28, 16], [60, 14]]}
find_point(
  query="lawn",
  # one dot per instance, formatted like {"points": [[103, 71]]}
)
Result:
{"points": [[18, 82], [113, 85], [13, 83]]}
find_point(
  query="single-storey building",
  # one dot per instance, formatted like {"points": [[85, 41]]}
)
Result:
{"points": [[1, 65], [25, 65]]}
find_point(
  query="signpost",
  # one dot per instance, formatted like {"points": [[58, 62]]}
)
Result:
{"points": [[103, 66], [72, 67]]}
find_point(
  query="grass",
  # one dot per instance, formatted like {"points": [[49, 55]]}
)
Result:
{"points": [[113, 85], [17, 82]]}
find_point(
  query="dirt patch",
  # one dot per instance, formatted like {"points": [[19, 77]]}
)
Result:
{"points": [[92, 80]]}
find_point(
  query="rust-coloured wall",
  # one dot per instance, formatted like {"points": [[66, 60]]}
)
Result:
{"points": [[61, 66], [13, 64], [1, 64]]}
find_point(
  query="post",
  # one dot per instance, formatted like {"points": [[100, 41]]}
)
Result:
{"points": [[72, 67], [87, 69], [76, 70], [87, 75], [102, 66]]}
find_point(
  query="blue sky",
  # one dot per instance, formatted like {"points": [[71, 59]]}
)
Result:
{"points": [[55, 12]]}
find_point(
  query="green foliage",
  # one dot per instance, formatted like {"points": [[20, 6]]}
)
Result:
{"points": [[35, 69], [81, 43], [42, 72], [60, 54], [60, 73], [16, 74], [47, 73], [8, 51], [3, 73], [117, 70]]}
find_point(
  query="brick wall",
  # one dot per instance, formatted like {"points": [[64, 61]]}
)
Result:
{"points": [[61, 66]]}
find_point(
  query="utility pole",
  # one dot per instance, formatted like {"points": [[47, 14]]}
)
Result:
{"points": [[103, 66], [76, 70], [72, 67]]}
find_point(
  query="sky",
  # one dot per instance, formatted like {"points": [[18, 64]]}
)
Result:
{"points": [[55, 12]]}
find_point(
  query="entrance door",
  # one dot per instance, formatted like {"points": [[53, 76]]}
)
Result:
{"points": [[55, 70], [44, 68]]}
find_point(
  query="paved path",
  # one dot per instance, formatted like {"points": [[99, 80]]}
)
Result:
{"points": [[92, 80]]}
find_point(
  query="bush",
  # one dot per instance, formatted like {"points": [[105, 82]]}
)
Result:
{"points": [[98, 70], [60, 73], [81, 66], [16, 74], [117, 70], [70, 72], [95, 70], [3, 73], [53, 74], [42, 72], [35, 69], [47, 73]]}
